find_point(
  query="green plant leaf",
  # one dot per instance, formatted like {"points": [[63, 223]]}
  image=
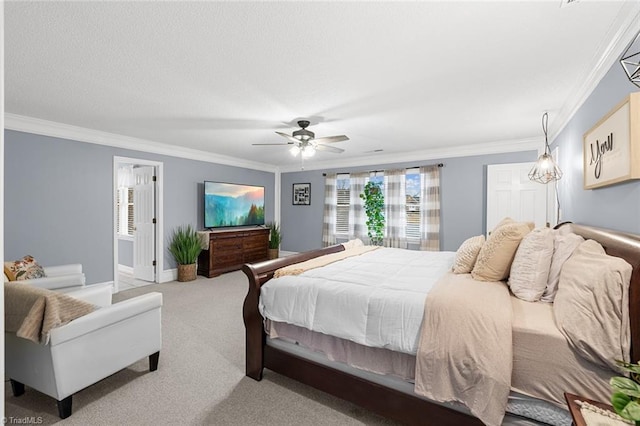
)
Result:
{"points": [[626, 386], [631, 411], [619, 400], [634, 368]]}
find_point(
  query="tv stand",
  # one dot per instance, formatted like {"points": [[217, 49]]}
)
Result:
{"points": [[229, 249]]}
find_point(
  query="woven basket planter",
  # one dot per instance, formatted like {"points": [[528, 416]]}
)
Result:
{"points": [[186, 272]]}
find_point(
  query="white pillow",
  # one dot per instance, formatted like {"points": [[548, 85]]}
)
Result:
{"points": [[467, 254], [564, 246], [530, 267]]}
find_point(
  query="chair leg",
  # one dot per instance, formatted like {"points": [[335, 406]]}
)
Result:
{"points": [[153, 361], [64, 407], [17, 388]]}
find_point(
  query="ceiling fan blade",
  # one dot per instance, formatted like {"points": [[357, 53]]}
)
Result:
{"points": [[281, 144], [331, 139], [329, 149], [286, 136]]}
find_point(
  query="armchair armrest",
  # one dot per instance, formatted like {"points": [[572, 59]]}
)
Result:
{"points": [[97, 294], [105, 317], [57, 282], [54, 271]]}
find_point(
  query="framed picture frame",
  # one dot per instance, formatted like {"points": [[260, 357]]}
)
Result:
{"points": [[611, 148], [301, 194]]}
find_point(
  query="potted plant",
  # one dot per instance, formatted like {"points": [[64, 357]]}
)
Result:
{"points": [[626, 393], [185, 248], [274, 240], [373, 206]]}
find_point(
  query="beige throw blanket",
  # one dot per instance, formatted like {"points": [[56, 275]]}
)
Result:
{"points": [[465, 349], [32, 312], [298, 268]]}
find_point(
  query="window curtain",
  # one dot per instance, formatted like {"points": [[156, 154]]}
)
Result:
{"points": [[357, 216], [330, 201], [395, 208], [430, 208]]}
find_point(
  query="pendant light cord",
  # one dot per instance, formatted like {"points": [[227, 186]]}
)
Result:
{"points": [[545, 127]]}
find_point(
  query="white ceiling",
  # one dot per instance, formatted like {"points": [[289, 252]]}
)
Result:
{"points": [[402, 77]]}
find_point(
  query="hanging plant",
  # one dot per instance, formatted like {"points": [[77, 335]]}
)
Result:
{"points": [[374, 206]]}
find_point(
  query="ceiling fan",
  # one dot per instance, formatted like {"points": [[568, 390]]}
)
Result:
{"points": [[305, 142]]}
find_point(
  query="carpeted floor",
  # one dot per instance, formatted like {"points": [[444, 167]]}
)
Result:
{"points": [[200, 379]]}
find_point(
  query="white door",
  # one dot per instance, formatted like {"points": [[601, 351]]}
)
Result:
{"points": [[511, 193], [144, 223]]}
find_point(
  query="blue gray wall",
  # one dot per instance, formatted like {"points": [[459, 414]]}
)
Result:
{"points": [[463, 201], [125, 253], [59, 195], [614, 207]]}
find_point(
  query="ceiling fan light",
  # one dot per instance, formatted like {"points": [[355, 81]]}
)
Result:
{"points": [[308, 151], [294, 150]]}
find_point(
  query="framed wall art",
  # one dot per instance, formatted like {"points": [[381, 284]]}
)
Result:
{"points": [[301, 194], [611, 148]]}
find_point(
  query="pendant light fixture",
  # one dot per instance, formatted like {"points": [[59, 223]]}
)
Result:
{"points": [[545, 170], [631, 61]]}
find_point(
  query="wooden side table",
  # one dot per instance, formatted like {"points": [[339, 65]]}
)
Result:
{"points": [[574, 408]]}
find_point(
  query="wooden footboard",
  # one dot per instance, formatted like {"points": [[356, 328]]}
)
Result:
{"points": [[408, 409], [258, 274]]}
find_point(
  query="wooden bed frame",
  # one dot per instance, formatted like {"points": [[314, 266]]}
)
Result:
{"points": [[382, 400]]}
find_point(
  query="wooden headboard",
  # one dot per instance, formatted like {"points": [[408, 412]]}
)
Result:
{"points": [[626, 246]]}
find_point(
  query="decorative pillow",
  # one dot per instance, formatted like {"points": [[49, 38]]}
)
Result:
{"points": [[564, 246], [24, 269], [504, 221], [467, 254], [496, 255], [591, 307], [530, 268]]}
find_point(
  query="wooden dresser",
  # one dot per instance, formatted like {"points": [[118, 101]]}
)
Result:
{"points": [[229, 249]]}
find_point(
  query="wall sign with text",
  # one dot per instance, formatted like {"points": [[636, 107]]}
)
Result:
{"points": [[611, 148]]}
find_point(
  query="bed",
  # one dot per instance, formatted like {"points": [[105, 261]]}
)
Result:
{"points": [[391, 395]]}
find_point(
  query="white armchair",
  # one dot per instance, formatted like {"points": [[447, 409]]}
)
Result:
{"points": [[62, 277], [87, 349]]}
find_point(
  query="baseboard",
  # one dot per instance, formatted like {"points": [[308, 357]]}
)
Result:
{"points": [[287, 253], [125, 269], [169, 275], [105, 283]]}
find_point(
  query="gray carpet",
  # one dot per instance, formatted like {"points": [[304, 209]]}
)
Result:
{"points": [[200, 379]]}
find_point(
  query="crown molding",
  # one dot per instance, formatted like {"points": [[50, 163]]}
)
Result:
{"points": [[38, 126], [499, 147], [621, 33]]}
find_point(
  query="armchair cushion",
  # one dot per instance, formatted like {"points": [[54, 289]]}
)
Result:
{"points": [[32, 312], [24, 269]]}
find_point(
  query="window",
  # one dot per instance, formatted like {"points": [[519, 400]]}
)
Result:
{"points": [[343, 190], [125, 211], [412, 204]]}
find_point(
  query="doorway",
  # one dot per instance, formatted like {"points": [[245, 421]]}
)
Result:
{"points": [[510, 193], [137, 222]]}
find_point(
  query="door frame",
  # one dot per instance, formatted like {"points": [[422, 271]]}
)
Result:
{"points": [[159, 234]]}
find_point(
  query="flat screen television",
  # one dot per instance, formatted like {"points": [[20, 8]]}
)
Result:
{"points": [[230, 204]]}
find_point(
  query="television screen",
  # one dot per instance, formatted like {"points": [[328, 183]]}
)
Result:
{"points": [[230, 204]]}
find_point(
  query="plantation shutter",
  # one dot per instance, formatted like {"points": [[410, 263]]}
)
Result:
{"points": [[342, 209]]}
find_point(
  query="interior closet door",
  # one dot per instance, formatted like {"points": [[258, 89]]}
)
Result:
{"points": [[144, 223], [511, 193]]}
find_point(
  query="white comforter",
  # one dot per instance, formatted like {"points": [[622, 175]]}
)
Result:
{"points": [[375, 299]]}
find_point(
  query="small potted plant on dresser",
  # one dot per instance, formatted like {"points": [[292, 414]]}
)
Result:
{"points": [[185, 248], [274, 240]]}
